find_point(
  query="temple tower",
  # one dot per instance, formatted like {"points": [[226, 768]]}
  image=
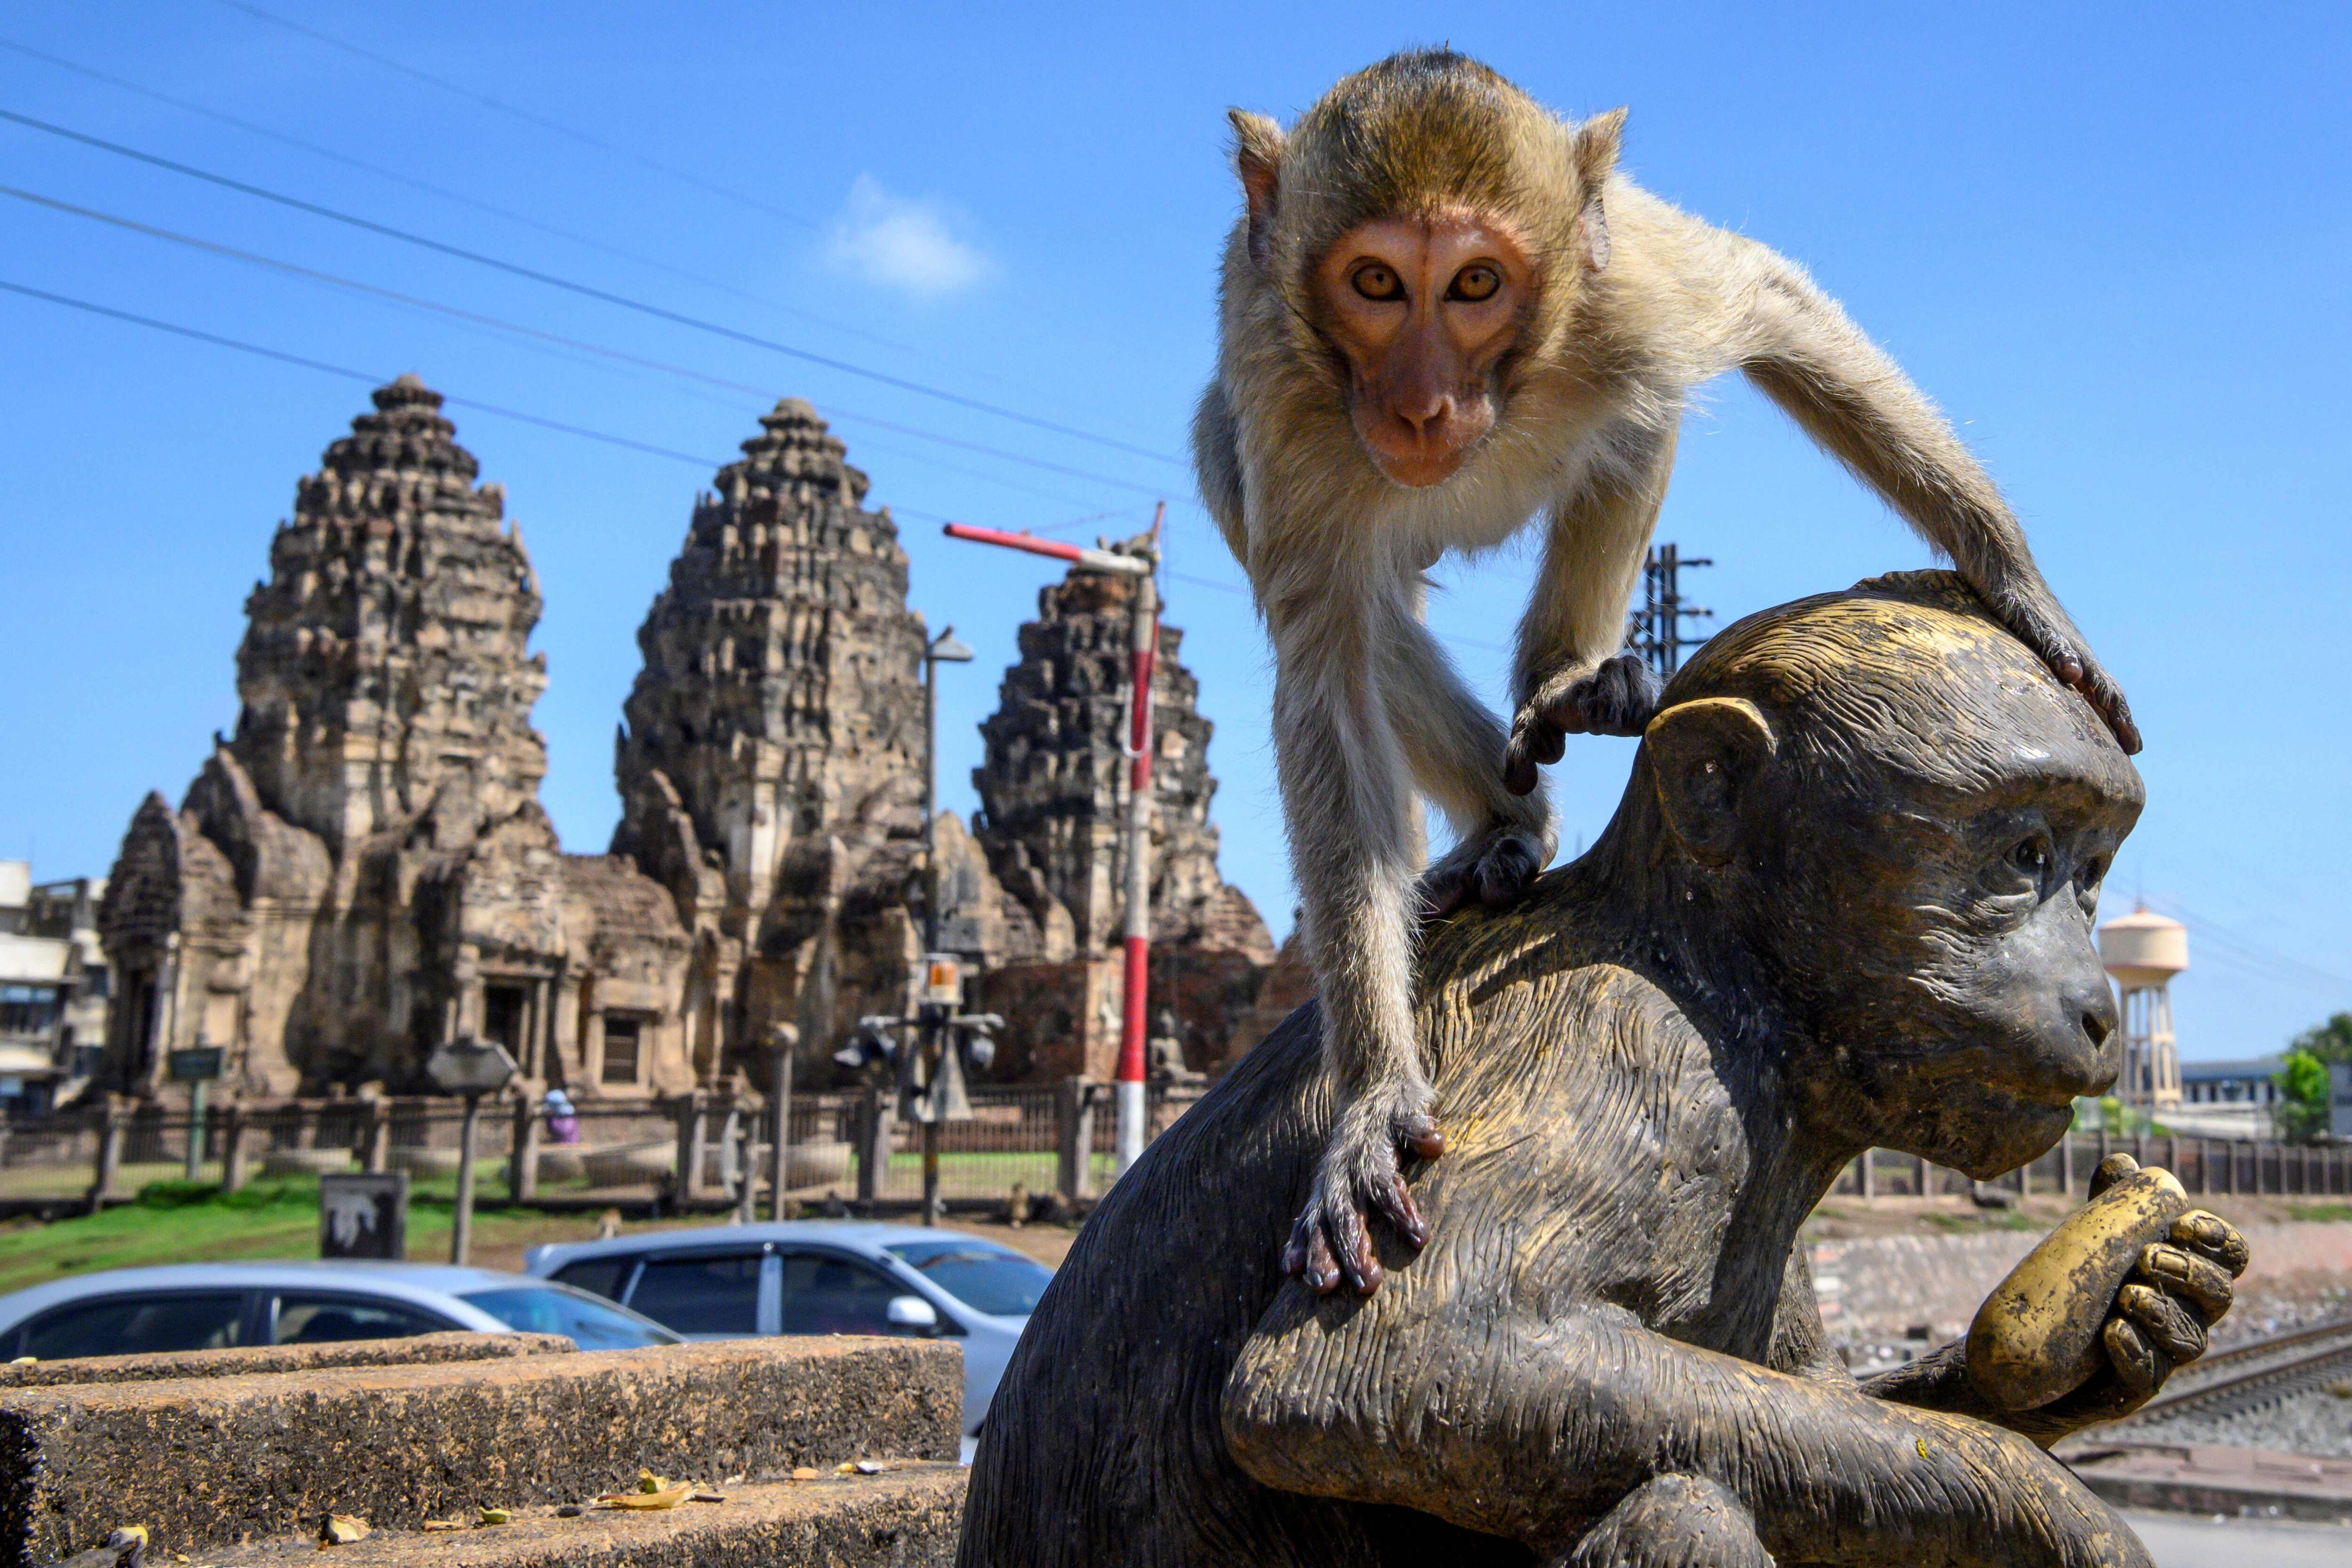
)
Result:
{"points": [[770, 764], [384, 667], [362, 870]]}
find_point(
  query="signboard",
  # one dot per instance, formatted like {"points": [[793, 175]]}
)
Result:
{"points": [[201, 1064], [942, 981], [470, 1066], [2339, 1100], [364, 1216]]}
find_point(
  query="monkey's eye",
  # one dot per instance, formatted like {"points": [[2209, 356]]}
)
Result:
{"points": [[1374, 281], [1476, 282], [2031, 856]]}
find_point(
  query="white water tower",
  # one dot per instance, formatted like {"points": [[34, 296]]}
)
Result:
{"points": [[2143, 951]]}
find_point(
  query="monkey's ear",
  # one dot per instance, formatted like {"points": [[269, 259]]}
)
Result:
{"points": [[1259, 146], [1705, 755], [1597, 143]]}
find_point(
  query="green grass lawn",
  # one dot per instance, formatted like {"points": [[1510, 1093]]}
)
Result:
{"points": [[174, 1223]]}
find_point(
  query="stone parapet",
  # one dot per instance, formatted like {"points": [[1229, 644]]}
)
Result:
{"points": [[417, 1350], [218, 1461]]}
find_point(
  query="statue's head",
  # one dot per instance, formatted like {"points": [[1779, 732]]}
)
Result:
{"points": [[1890, 804]]}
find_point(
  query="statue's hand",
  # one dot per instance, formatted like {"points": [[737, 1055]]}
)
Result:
{"points": [[2177, 1289]]}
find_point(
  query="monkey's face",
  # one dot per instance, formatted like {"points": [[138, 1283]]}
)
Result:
{"points": [[1424, 312]]}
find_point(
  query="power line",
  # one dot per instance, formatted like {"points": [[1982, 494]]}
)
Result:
{"points": [[706, 464], [446, 194], [525, 115], [583, 289], [683, 372], [345, 371]]}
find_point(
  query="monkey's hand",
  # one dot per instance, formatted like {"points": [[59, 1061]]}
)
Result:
{"points": [[1361, 1174], [1492, 865], [2036, 621], [1618, 697]]}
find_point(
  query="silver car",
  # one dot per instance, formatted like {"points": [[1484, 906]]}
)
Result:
{"points": [[209, 1306], [819, 1277]]}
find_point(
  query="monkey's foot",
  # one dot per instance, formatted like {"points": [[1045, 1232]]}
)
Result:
{"points": [[1360, 1175], [1493, 865], [1618, 697], [1672, 1522], [2046, 632]]}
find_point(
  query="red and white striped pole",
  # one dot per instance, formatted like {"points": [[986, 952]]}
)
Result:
{"points": [[1143, 649]]}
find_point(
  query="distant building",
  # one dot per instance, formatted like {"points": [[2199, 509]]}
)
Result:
{"points": [[53, 988], [362, 870], [2250, 1082]]}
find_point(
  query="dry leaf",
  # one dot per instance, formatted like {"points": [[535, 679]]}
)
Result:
{"points": [[669, 1497], [803, 1473], [437, 1524], [704, 1494], [497, 1516], [342, 1530]]}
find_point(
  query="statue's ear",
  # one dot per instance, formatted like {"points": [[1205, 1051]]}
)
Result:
{"points": [[1705, 755]]}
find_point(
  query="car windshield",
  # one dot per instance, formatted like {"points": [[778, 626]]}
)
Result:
{"points": [[591, 1324], [985, 1279]]}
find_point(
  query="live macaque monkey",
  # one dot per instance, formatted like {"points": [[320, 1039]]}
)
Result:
{"points": [[1445, 313]]}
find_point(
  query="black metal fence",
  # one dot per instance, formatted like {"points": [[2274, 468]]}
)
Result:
{"points": [[2206, 1166], [686, 1151]]}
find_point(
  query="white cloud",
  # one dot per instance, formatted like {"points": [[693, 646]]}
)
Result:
{"points": [[902, 241]]}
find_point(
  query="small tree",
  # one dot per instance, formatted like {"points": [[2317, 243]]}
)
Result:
{"points": [[2330, 1042], [2301, 1112]]}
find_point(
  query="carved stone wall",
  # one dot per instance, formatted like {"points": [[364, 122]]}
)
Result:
{"points": [[362, 870], [770, 767]]}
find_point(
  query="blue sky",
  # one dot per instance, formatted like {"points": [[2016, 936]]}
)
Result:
{"points": [[2111, 243]]}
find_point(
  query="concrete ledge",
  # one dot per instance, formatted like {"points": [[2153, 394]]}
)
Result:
{"points": [[903, 1519], [417, 1350], [215, 1461], [2183, 1477]]}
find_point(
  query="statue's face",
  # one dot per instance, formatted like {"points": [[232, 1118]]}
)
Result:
{"points": [[1953, 986]]}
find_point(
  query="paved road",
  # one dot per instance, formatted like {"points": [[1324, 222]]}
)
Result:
{"points": [[2190, 1541]]}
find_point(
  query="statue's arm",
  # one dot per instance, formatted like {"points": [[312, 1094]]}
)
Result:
{"points": [[1533, 1429]]}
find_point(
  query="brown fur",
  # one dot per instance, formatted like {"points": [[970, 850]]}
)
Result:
{"points": [[1633, 304]]}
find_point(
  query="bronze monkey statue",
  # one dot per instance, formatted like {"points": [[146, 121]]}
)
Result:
{"points": [[1846, 902]]}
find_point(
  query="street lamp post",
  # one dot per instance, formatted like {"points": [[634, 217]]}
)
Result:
{"points": [[473, 1069], [939, 971], [1143, 646], [786, 1037]]}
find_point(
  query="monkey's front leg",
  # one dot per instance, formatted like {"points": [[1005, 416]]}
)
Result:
{"points": [[1571, 679], [1347, 800]]}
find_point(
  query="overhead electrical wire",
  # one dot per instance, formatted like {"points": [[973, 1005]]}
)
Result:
{"points": [[93, 307], [570, 133], [585, 290], [459, 197], [683, 372]]}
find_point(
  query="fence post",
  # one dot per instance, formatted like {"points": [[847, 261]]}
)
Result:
{"points": [[1073, 1127], [522, 1163], [873, 1143], [233, 1124], [1922, 1161], [376, 1153], [1869, 1175], [693, 1111], [2066, 1166], [108, 1175]]}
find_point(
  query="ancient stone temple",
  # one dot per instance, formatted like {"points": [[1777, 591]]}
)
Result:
{"points": [[362, 869], [1053, 787], [771, 764]]}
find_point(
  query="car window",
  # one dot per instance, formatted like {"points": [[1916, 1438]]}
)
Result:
{"points": [[591, 1324], [133, 1325], [601, 1276], [986, 1278], [825, 1294], [702, 1293], [309, 1318]]}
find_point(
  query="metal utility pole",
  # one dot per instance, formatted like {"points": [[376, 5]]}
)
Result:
{"points": [[1655, 630], [941, 649], [1143, 648], [471, 1067]]}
